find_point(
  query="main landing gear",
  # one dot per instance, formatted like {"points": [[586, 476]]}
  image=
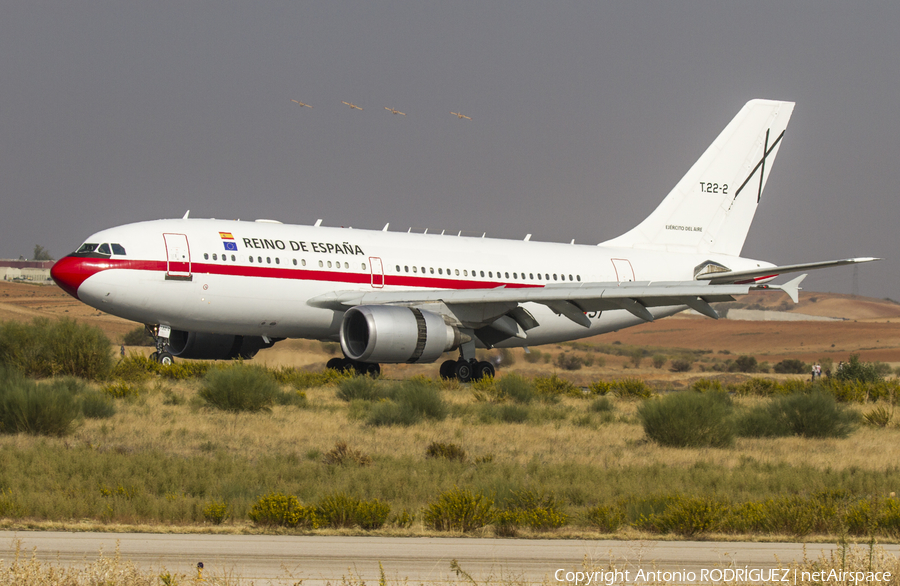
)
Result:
{"points": [[347, 365], [466, 370]]}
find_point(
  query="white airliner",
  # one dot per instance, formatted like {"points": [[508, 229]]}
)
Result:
{"points": [[219, 289]]}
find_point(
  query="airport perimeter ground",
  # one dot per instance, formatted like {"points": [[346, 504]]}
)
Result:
{"points": [[868, 327]]}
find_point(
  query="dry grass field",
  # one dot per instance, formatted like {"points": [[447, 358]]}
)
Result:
{"points": [[163, 456]]}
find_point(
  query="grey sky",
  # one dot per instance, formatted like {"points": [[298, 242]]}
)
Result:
{"points": [[584, 115]]}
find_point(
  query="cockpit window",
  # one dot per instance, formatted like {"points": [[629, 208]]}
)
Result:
{"points": [[104, 249], [118, 249], [87, 247]]}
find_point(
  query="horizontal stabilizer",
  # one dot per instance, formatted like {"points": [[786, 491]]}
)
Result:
{"points": [[765, 273]]}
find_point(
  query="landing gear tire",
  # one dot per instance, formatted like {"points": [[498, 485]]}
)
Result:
{"points": [[165, 359], [448, 369], [463, 371], [335, 364], [154, 357], [372, 369], [483, 369]]}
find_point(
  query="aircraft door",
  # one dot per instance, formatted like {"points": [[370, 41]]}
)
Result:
{"points": [[624, 270], [178, 257], [377, 272]]}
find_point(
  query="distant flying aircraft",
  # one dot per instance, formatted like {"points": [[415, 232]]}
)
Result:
{"points": [[352, 106], [460, 115], [392, 111], [301, 103], [219, 289]]}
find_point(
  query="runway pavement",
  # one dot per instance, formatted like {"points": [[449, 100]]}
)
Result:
{"points": [[319, 559]]}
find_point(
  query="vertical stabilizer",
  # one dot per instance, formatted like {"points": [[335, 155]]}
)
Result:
{"points": [[711, 208]]}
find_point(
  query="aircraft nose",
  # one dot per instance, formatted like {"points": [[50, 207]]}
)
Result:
{"points": [[70, 272]]}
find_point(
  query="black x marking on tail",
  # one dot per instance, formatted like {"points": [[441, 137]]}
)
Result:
{"points": [[760, 165]]}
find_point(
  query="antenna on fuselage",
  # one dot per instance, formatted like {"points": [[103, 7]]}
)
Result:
{"points": [[186, 214], [318, 223], [386, 226]]}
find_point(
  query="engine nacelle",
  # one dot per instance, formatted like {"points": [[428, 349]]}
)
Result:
{"points": [[204, 346], [387, 333]]}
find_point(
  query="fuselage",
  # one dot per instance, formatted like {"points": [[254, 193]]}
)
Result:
{"points": [[255, 278]]}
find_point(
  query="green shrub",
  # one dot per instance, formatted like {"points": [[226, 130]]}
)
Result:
{"points": [[568, 361], [338, 511], [515, 387], [238, 388], [599, 387], [688, 419], [659, 360], [758, 387], [135, 368], [388, 413], [138, 337], [601, 405], [861, 517], [879, 416], [538, 511], [373, 514], [856, 370], [607, 519], [45, 348], [704, 385], [813, 415], [342, 454], [744, 364], [359, 387], [791, 366], [447, 451], [97, 405], [36, 409], [550, 388], [533, 356], [690, 515], [122, 390], [459, 510], [632, 388], [681, 365], [422, 396], [278, 509], [215, 512]]}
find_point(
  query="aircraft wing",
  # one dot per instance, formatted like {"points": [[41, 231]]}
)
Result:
{"points": [[756, 275], [481, 307]]}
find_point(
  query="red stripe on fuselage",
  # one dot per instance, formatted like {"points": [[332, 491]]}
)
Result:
{"points": [[70, 272]]}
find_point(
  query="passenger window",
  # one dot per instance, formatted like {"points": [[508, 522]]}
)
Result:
{"points": [[363, 266], [539, 276], [346, 265], [531, 276], [329, 264], [465, 273], [514, 276], [406, 268], [321, 264], [490, 275], [118, 249], [506, 275], [554, 276], [295, 262], [578, 277], [482, 273], [232, 258], [259, 259], [269, 259], [570, 278], [277, 260], [547, 277], [415, 270], [302, 262], [398, 268], [457, 272], [104, 249], [423, 270], [205, 255], [431, 270], [251, 259], [440, 271], [215, 257]]}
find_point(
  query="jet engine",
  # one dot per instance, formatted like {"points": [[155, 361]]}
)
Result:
{"points": [[204, 346], [387, 333]]}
